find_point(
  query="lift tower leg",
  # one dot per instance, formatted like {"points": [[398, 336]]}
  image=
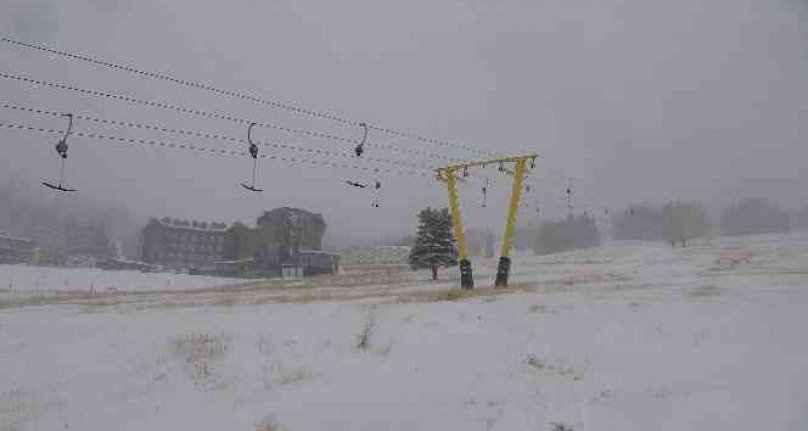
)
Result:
{"points": [[466, 278], [504, 267], [448, 176]]}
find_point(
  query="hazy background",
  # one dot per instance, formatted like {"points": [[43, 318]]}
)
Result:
{"points": [[637, 100]]}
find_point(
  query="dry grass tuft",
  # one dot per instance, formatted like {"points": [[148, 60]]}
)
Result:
{"points": [[540, 308], [363, 339], [268, 424], [534, 361], [705, 290], [556, 369], [201, 351], [455, 294], [200, 347], [287, 375]]}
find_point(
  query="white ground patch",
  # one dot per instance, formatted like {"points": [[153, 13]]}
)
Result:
{"points": [[27, 280], [624, 337]]}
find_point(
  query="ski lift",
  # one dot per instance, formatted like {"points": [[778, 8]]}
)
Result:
{"points": [[528, 182], [569, 195], [465, 172], [61, 148], [375, 199], [356, 184], [377, 185], [361, 147], [254, 154], [485, 192], [501, 166], [533, 163]]}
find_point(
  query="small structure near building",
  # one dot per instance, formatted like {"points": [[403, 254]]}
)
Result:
{"points": [[377, 255], [231, 268], [317, 262], [387, 259]]}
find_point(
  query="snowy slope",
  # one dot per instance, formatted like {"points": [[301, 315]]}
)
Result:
{"points": [[24, 279], [632, 336]]}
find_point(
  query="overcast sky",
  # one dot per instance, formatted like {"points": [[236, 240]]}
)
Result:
{"points": [[637, 100]]}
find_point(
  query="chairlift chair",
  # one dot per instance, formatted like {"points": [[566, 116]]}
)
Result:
{"points": [[254, 154], [356, 184], [377, 185], [375, 199], [361, 147], [485, 193], [61, 148]]}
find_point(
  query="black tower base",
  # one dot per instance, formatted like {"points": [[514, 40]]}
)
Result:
{"points": [[466, 279], [503, 269]]}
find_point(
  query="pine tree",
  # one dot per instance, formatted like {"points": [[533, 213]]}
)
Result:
{"points": [[434, 242]]}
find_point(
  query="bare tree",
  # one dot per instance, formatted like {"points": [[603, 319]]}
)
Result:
{"points": [[683, 221]]}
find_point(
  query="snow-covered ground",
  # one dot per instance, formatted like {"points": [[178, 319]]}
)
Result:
{"points": [[27, 280], [629, 336]]}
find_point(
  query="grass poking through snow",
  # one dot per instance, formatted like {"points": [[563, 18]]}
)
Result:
{"points": [[705, 290], [363, 339], [268, 424], [201, 351]]}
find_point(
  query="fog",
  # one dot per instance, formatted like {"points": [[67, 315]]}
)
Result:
{"points": [[635, 100]]}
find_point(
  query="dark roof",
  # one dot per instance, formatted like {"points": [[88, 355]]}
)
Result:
{"points": [[210, 227]]}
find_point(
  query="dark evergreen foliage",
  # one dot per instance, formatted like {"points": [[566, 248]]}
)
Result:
{"points": [[571, 233], [434, 241], [753, 216], [638, 223]]}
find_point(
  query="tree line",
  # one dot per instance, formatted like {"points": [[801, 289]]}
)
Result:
{"points": [[677, 223], [680, 222], [71, 227]]}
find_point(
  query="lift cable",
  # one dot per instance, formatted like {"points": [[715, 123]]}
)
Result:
{"points": [[215, 151], [245, 96], [563, 183], [216, 115], [216, 136]]}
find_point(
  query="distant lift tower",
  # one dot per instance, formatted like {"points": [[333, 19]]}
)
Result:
{"points": [[513, 166]]}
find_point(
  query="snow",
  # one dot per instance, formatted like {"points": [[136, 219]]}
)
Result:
{"points": [[23, 279], [623, 337]]}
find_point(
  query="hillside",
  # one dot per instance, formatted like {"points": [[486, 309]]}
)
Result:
{"points": [[620, 337]]}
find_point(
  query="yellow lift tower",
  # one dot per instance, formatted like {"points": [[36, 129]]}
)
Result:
{"points": [[514, 166]]}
